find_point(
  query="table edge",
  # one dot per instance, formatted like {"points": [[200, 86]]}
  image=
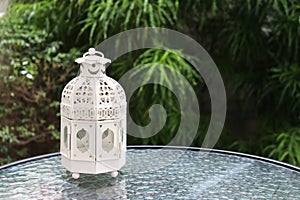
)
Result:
{"points": [[267, 160]]}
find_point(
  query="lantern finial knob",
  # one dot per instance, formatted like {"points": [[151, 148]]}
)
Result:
{"points": [[92, 51]]}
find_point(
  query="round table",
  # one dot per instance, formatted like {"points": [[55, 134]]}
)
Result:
{"points": [[153, 172]]}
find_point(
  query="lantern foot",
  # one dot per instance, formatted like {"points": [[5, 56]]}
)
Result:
{"points": [[75, 175], [114, 174]]}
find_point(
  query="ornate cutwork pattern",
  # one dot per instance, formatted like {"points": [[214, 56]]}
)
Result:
{"points": [[108, 113], [67, 92], [84, 93], [93, 99], [66, 111], [82, 113]]}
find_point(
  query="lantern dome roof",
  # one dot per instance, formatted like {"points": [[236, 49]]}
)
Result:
{"points": [[97, 98]]}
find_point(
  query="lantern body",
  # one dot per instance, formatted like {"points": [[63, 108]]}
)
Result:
{"points": [[93, 119]]}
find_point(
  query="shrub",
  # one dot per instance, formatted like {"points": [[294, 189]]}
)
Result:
{"points": [[254, 43]]}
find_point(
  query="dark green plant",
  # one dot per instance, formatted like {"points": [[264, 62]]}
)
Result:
{"points": [[286, 146], [162, 62], [35, 68], [255, 44], [108, 17]]}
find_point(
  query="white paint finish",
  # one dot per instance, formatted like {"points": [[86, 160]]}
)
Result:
{"points": [[94, 106]]}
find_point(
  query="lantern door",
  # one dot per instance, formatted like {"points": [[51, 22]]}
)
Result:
{"points": [[108, 139], [83, 141]]}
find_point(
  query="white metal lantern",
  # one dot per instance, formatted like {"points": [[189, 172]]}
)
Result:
{"points": [[93, 119]]}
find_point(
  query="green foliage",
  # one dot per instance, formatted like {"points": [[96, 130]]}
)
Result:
{"points": [[163, 63], [107, 17], [286, 146], [172, 60], [287, 81], [35, 68], [247, 35], [255, 44], [285, 30]]}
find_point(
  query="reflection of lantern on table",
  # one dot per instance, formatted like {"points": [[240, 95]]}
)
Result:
{"points": [[93, 119]]}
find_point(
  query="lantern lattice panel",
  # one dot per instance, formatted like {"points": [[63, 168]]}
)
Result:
{"points": [[92, 99]]}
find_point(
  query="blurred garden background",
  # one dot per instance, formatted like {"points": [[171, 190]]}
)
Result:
{"points": [[255, 44]]}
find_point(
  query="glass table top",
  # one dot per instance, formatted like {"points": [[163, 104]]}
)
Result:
{"points": [[152, 173]]}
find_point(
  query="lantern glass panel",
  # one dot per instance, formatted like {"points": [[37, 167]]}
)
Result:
{"points": [[82, 140], [107, 140]]}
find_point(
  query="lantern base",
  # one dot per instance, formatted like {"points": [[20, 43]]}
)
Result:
{"points": [[94, 167]]}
